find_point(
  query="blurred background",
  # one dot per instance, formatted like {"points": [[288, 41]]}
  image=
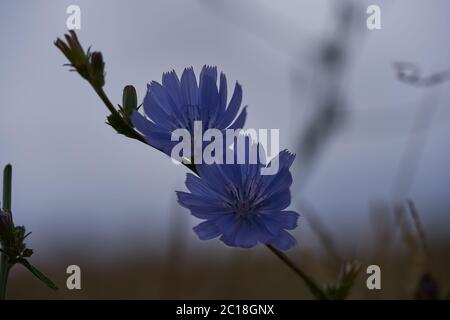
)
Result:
{"points": [[371, 176]]}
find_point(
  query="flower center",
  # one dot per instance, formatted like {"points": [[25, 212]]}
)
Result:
{"points": [[243, 207]]}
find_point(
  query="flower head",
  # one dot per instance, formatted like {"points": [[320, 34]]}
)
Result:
{"points": [[88, 64], [176, 104], [240, 205]]}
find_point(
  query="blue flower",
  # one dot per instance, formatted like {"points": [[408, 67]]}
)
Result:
{"points": [[242, 206], [176, 104]]}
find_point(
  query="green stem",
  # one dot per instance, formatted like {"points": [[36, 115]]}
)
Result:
{"points": [[137, 136], [4, 272], [7, 180], [312, 285], [4, 261], [105, 99]]}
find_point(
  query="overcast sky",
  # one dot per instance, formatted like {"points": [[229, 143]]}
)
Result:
{"points": [[77, 182]]}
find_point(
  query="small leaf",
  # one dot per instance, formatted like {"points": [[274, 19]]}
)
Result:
{"points": [[25, 236], [97, 69], [118, 123], [38, 274], [121, 126]]}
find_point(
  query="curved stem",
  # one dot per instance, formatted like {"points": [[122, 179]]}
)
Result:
{"points": [[312, 285], [137, 136]]}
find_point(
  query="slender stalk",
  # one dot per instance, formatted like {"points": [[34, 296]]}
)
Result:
{"points": [[7, 179], [419, 226], [4, 273], [311, 284], [4, 261], [105, 99], [139, 137]]}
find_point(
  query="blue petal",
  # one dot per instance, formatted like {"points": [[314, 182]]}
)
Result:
{"points": [[207, 230], [199, 187], [286, 159], [271, 184], [162, 98], [240, 120], [153, 135], [208, 94], [214, 177], [273, 226], [246, 235], [228, 239], [233, 107], [283, 176], [264, 234], [284, 219], [172, 84], [284, 241], [144, 125], [156, 109], [200, 207], [231, 178], [193, 200], [227, 222], [290, 219], [222, 94], [282, 179], [208, 72], [189, 87], [278, 201]]}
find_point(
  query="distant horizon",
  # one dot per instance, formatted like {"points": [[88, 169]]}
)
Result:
{"points": [[75, 178]]}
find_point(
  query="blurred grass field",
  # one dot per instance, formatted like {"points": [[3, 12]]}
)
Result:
{"points": [[245, 274]]}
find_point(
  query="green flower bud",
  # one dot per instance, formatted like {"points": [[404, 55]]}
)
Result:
{"points": [[129, 101], [89, 65], [97, 69]]}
